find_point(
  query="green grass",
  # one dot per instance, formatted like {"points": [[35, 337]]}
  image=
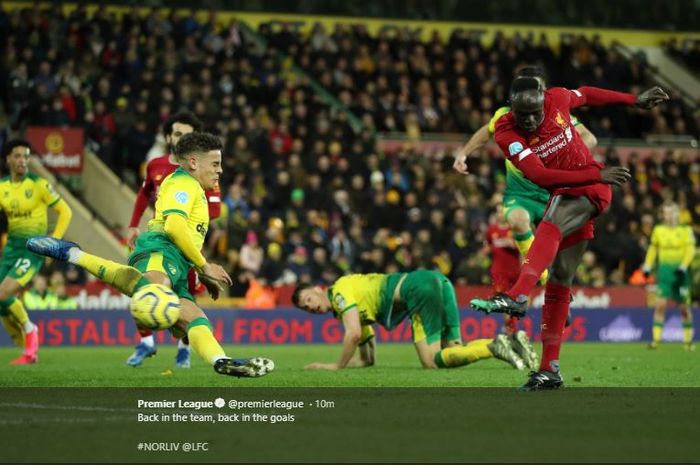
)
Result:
{"points": [[372, 421], [583, 365]]}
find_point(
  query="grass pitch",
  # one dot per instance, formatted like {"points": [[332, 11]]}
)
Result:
{"points": [[623, 403], [583, 365]]}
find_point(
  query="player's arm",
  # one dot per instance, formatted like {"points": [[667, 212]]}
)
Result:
{"points": [[52, 198], [689, 253], [143, 197], [595, 96], [366, 349], [531, 166], [652, 253], [351, 339], [476, 142], [65, 214]]}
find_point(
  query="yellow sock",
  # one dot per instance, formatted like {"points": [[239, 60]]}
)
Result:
{"points": [[523, 242], [687, 332], [464, 355], [17, 310], [123, 277], [656, 330], [14, 329], [203, 342]]}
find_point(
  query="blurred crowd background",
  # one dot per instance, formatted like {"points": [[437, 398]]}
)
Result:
{"points": [[306, 198]]}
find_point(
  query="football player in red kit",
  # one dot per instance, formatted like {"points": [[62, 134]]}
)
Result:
{"points": [[537, 136], [156, 171]]}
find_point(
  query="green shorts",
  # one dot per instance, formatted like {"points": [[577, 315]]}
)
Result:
{"points": [[19, 263], [155, 252], [534, 207], [670, 286], [429, 298]]}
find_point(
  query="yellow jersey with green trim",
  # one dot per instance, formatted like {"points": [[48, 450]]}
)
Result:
{"points": [[363, 292], [181, 194], [26, 204], [671, 245], [516, 183]]}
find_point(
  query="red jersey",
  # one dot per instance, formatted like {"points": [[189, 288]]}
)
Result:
{"points": [[505, 258], [554, 155], [156, 171]]}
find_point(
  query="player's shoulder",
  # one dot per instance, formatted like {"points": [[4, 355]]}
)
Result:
{"points": [[36, 179], [505, 122]]}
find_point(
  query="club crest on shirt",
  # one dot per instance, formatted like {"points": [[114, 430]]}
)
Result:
{"points": [[158, 177], [28, 193], [561, 122], [182, 197]]}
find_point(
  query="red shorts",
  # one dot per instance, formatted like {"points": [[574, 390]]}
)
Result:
{"points": [[195, 285], [600, 195]]}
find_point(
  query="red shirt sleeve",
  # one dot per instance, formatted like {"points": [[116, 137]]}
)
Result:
{"points": [[214, 201], [594, 97], [521, 155], [143, 198]]}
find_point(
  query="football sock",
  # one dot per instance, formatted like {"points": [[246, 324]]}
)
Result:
{"points": [[183, 343], [464, 355], [148, 340], [14, 329], [126, 279], [511, 326], [541, 255], [657, 330], [554, 312], [687, 332], [16, 308], [203, 341], [523, 242], [144, 332]]}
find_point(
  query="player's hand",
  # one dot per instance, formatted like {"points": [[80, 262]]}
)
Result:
{"points": [[651, 97], [321, 366], [680, 273], [215, 272], [131, 235], [616, 175], [460, 164], [214, 287]]}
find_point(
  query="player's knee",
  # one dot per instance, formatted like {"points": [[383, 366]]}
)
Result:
{"points": [[562, 274], [519, 221]]}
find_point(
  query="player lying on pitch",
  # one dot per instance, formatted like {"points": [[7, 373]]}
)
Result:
{"points": [[426, 297]]}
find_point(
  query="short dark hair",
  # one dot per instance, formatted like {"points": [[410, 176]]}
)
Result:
{"points": [[532, 71], [521, 84], [296, 295], [10, 145], [197, 142], [182, 117]]}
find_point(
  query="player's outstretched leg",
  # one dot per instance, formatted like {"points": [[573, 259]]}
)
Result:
{"points": [[500, 303], [502, 350], [203, 342], [125, 278], [521, 345]]}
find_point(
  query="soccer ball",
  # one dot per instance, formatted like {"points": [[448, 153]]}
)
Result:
{"points": [[155, 306]]}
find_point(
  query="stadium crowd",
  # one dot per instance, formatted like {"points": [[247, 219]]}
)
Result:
{"points": [[306, 199]]}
